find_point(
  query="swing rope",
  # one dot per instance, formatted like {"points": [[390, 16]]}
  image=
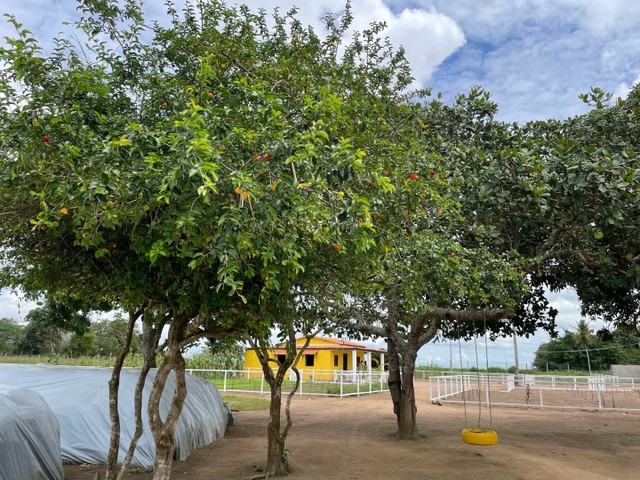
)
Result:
{"points": [[478, 435], [486, 356], [464, 383], [479, 386]]}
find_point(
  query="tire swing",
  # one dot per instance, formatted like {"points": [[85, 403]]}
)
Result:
{"points": [[477, 435]]}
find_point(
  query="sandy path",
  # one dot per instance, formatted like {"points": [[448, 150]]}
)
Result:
{"points": [[352, 438]]}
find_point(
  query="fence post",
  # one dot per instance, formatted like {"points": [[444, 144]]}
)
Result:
{"points": [[262, 384], [541, 401], [224, 382]]}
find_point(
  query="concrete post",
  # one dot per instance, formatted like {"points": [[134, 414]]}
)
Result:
{"points": [[354, 365]]}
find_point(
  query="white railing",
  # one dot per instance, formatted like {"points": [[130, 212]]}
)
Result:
{"points": [[339, 383], [596, 392]]}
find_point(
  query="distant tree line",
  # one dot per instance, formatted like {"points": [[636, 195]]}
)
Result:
{"points": [[103, 337], [589, 350], [39, 336]]}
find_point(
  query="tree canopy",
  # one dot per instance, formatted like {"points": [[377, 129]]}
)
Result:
{"points": [[223, 172], [195, 172]]}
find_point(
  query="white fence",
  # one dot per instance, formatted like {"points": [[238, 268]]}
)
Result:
{"points": [[337, 383], [596, 392]]}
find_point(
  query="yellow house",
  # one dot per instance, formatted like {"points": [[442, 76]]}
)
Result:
{"points": [[324, 358]]}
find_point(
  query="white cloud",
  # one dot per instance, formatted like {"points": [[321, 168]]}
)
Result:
{"points": [[427, 36], [535, 56], [623, 89], [14, 306]]}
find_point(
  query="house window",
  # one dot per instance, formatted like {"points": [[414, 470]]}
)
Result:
{"points": [[281, 358], [309, 360], [335, 360]]}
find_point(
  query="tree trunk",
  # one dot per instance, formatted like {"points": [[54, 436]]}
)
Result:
{"points": [[137, 400], [163, 428], [276, 459], [402, 391], [149, 339], [406, 414], [394, 378], [114, 388], [164, 460]]}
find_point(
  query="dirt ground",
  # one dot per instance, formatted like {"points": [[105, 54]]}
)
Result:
{"points": [[352, 438]]}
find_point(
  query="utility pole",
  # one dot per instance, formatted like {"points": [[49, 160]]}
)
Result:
{"points": [[515, 355]]}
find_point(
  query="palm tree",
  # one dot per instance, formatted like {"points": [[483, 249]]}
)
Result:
{"points": [[584, 337]]}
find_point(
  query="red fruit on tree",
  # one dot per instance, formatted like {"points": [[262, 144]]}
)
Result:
{"points": [[432, 173], [413, 176], [45, 139], [337, 248]]}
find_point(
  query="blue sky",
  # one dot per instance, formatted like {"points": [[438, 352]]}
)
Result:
{"points": [[534, 56]]}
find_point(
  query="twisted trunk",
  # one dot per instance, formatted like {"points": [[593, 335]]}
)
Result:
{"points": [[163, 429], [406, 405], [277, 461], [276, 464], [401, 388], [114, 388]]}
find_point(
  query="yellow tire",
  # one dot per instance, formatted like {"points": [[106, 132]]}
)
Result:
{"points": [[479, 436]]}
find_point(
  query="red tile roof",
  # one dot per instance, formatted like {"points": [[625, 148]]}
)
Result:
{"points": [[334, 344]]}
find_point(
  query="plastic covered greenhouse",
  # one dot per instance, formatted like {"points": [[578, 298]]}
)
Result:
{"points": [[79, 398], [29, 437]]}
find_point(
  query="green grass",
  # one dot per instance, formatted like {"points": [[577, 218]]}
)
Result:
{"points": [[319, 388], [244, 404], [134, 360]]}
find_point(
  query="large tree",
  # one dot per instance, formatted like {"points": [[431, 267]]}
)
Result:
{"points": [[10, 336], [437, 270], [41, 335], [189, 170], [110, 336], [528, 208]]}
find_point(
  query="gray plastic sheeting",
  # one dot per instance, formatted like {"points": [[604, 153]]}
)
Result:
{"points": [[29, 437], [79, 398]]}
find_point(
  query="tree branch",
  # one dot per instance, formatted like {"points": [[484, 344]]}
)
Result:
{"points": [[439, 313], [431, 332]]}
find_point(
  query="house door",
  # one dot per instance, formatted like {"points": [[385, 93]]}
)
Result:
{"points": [[345, 361]]}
